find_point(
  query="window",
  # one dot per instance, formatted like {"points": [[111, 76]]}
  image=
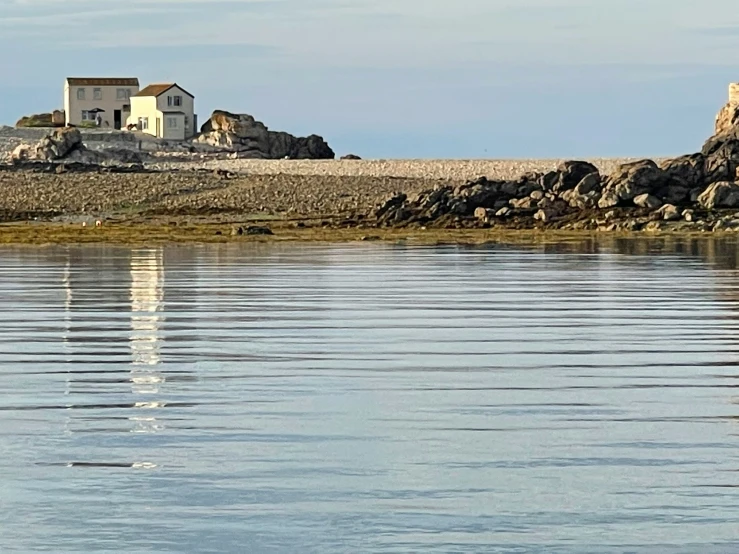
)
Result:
{"points": [[123, 94], [97, 94], [143, 123], [80, 94], [85, 115], [171, 123], [174, 100], [187, 122]]}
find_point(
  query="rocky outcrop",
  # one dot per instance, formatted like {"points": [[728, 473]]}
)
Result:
{"points": [[66, 145], [727, 118], [242, 134], [720, 195], [59, 144], [635, 179], [573, 196]]}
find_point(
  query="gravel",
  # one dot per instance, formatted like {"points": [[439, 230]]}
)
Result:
{"points": [[268, 187], [453, 170]]}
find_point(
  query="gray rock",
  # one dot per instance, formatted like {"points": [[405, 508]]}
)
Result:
{"points": [[391, 204], [688, 170], [608, 199], [669, 212], [242, 133], [674, 193], [484, 214], [21, 153], [571, 173], [555, 210], [523, 203], [59, 144], [589, 183], [722, 158], [727, 119], [632, 179], [257, 230], [647, 201], [545, 215], [527, 188], [723, 194], [548, 180]]}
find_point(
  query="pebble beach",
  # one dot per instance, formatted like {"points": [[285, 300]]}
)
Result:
{"points": [[269, 187]]}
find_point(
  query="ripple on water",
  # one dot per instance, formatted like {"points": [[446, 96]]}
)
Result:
{"points": [[282, 398]]}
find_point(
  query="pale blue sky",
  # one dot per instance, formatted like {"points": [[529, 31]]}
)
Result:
{"points": [[402, 78]]}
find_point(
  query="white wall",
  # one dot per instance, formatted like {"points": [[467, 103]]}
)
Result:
{"points": [[178, 131], [109, 102], [187, 107], [144, 106]]}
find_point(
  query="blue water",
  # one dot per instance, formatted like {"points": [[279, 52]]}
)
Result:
{"points": [[573, 398]]}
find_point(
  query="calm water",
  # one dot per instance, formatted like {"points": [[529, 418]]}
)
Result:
{"points": [[578, 398]]}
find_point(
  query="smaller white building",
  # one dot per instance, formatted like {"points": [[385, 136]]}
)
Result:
{"points": [[89, 100], [164, 110]]}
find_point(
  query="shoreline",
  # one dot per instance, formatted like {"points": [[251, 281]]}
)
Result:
{"points": [[424, 202], [161, 233]]}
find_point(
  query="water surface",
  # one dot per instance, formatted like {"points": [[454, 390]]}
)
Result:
{"points": [[574, 398]]}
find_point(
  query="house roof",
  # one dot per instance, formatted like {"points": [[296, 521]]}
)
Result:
{"points": [[102, 82], [172, 112], [159, 89]]}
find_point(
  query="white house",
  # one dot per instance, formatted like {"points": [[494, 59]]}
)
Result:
{"points": [[86, 98], [165, 111]]}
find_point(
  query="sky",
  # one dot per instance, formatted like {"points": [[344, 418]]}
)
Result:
{"points": [[402, 78]]}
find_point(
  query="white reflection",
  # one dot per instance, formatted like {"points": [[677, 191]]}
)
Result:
{"points": [[147, 298], [67, 284]]}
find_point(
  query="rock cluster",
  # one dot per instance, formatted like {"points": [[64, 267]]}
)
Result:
{"points": [[65, 144], [577, 191], [673, 189], [249, 138]]}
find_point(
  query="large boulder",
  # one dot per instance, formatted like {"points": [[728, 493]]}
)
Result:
{"points": [[688, 170], [21, 153], [635, 178], [570, 173], [727, 118], [252, 139], [721, 158], [59, 144], [65, 145], [723, 194]]}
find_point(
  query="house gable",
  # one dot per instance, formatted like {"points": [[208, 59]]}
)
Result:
{"points": [[160, 89]]}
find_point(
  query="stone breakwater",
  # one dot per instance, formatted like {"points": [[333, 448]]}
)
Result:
{"points": [[691, 192]]}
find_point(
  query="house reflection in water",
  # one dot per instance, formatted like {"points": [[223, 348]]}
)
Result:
{"points": [[147, 302]]}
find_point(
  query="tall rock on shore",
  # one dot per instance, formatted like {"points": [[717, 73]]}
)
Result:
{"points": [[727, 118], [243, 134]]}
